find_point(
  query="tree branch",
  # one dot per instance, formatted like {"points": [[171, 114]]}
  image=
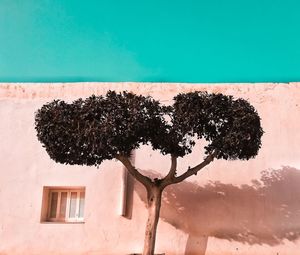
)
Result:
{"points": [[172, 172], [195, 169], [146, 181]]}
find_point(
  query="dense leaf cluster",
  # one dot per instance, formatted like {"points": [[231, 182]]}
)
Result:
{"points": [[232, 126], [86, 132]]}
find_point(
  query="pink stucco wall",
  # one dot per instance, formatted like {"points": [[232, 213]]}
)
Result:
{"points": [[230, 207]]}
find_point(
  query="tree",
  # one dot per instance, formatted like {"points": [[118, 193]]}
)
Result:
{"points": [[86, 132]]}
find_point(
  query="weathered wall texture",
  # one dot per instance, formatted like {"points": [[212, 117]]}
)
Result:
{"points": [[230, 207]]}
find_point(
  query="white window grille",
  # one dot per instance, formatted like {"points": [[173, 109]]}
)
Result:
{"points": [[66, 205]]}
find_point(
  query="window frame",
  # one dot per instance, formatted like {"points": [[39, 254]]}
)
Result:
{"points": [[66, 218]]}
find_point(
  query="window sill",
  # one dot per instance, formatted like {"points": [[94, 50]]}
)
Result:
{"points": [[62, 222]]}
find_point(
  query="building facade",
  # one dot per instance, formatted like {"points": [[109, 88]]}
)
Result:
{"points": [[230, 207]]}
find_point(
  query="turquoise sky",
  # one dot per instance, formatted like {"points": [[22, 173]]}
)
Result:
{"points": [[162, 41]]}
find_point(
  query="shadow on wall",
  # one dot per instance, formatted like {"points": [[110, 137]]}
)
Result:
{"points": [[266, 212]]}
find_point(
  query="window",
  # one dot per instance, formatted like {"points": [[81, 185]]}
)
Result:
{"points": [[63, 205]]}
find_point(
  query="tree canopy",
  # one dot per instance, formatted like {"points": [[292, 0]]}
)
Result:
{"points": [[86, 132]]}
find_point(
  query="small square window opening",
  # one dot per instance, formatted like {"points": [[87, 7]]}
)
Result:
{"points": [[63, 204]]}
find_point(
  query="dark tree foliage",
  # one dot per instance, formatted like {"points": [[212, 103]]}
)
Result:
{"points": [[231, 126], [86, 132]]}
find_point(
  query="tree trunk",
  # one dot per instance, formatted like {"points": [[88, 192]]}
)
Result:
{"points": [[154, 202]]}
